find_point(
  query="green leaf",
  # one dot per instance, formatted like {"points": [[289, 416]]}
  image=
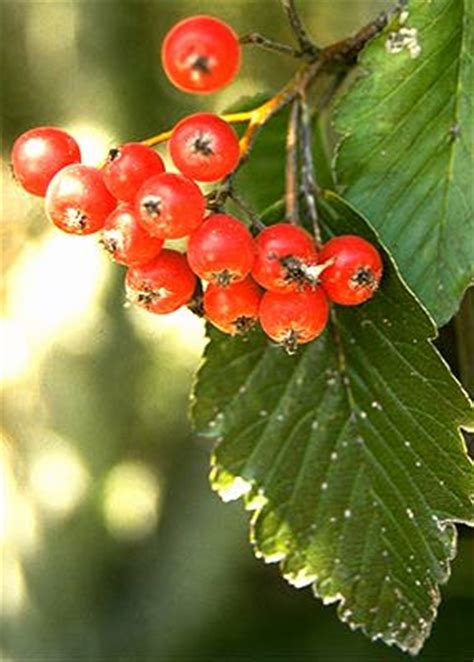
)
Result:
{"points": [[349, 453], [406, 159]]}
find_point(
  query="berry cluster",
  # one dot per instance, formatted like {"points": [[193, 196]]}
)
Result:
{"points": [[278, 278]]}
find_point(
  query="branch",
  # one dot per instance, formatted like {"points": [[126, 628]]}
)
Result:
{"points": [[291, 179], [348, 49], [305, 42], [307, 167], [256, 39], [341, 53]]}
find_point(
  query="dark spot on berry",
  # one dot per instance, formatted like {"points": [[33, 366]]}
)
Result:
{"points": [[152, 206], [290, 342], [144, 298], [75, 219], [201, 64], [223, 278], [202, 145], [108, 243], [243, 324], [113, 154], [296, 271], [364, 278]]}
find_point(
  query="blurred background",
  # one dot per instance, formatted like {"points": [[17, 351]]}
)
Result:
{"points": [[113, 546]]}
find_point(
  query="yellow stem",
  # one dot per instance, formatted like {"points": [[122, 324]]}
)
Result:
{"points": [[232, 118]]}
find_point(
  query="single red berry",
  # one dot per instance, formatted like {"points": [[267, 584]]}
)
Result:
{"points": [[221, 250], [286, 259], [204, 147], [294, 318], [201, 54], [125, 240], [77, 200], [233, 309], [355, 271], [39, 154], [162, 285], [170, 206], [128, 167]]}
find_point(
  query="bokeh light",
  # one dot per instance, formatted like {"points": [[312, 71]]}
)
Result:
{"points": [[132, 501]]}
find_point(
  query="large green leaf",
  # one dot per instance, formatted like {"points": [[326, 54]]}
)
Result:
{"points": [[406, 159], [349, 453]]}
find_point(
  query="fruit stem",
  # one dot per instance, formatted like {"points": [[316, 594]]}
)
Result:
{"points": [[339, 57], [307, 167], [256, 39], [231, 118], [305, 42], [291, 174], [250, 213]]}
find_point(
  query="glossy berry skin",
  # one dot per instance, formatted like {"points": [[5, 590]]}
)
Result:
{"points": [[356, 270], [201, 54], [162, 285], [39, 154], [204, 147], [222, 250], [128, 167], [285, 255], [125, 240], [294, 318], [233, 309], [170, 206], [77, 200]]}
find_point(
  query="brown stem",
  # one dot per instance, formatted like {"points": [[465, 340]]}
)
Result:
{"points": [[256, 39], [305, 42], [307, 167], [291, 178], [248, 211], [343, 54], [348, 49]]}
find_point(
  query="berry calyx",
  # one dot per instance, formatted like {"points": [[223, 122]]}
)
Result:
{"points": [[77, 200], [162, 285], [38, 154], [294, 318], [170, 206], [233, 309], [286, 259], [354, 270], [204, 147], [125, 240], [221, 250], [128, 167], [201, 54]]}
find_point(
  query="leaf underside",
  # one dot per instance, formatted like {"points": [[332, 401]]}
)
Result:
{"points": [[407, 151], [349, 453]]}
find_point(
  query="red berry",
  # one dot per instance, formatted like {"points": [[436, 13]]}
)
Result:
{"points": [[162, 285], [39, 154], [294, 318], [355, 272], [126, 241], [201, 54], [77, 200], [204, 147], [286, 257], [170, 206], [222, 250], [128, 167], [233, 309]]}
